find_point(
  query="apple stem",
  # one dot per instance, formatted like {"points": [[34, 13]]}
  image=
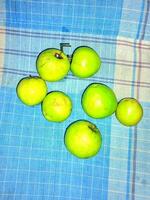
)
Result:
{"points": [[93, 128], [57, 55], [62, 45], [69, 58]]}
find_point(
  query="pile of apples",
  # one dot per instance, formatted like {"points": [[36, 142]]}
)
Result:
{"points": [[82, 138]]}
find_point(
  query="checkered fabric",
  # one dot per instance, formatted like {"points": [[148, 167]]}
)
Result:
{"points": [[34, 163]]}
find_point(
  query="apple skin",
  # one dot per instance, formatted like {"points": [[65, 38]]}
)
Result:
{"points": [[129, 111], [99, 101], [56, 106], [83, 139], [31, 90], [52, 65], [85, 62]]}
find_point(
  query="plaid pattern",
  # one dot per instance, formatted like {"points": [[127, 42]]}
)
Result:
{"points": [[34, 163]]}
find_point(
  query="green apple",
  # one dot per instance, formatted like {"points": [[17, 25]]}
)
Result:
{"points": [[83, 139], [129, 111], [31, 90], [99, 101], [52, 65], [85, 62], [56, 106]]}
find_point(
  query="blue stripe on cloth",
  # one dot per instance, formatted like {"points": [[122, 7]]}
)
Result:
{"points": [[129, 164], [2, 13], [146, 35], [101, 173], [136, 146], [140, 20], [131, 16], [34, 160], [96, 17], [26, 52], [132, 94]]}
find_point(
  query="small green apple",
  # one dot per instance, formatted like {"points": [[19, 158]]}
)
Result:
{"points": [[83, 139], [129, 111], [85, 62], [52, 65], [56, 106], [99, 101], [31, 90]]}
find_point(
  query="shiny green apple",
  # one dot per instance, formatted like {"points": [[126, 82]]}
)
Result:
{"points": [[85, 62], [129, 111], [99, 101], [31, 90], [56, 106], [83, 139], [52, 65]]}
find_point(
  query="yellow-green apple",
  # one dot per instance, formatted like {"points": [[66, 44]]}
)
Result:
{"points": [[31, 90], [85, 62], [52, 64], [83, 139], [99, 101], [129, 111], [56, 106]]}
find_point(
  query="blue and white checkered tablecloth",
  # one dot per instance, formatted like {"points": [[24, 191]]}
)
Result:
{"points": [[34, 163]]}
